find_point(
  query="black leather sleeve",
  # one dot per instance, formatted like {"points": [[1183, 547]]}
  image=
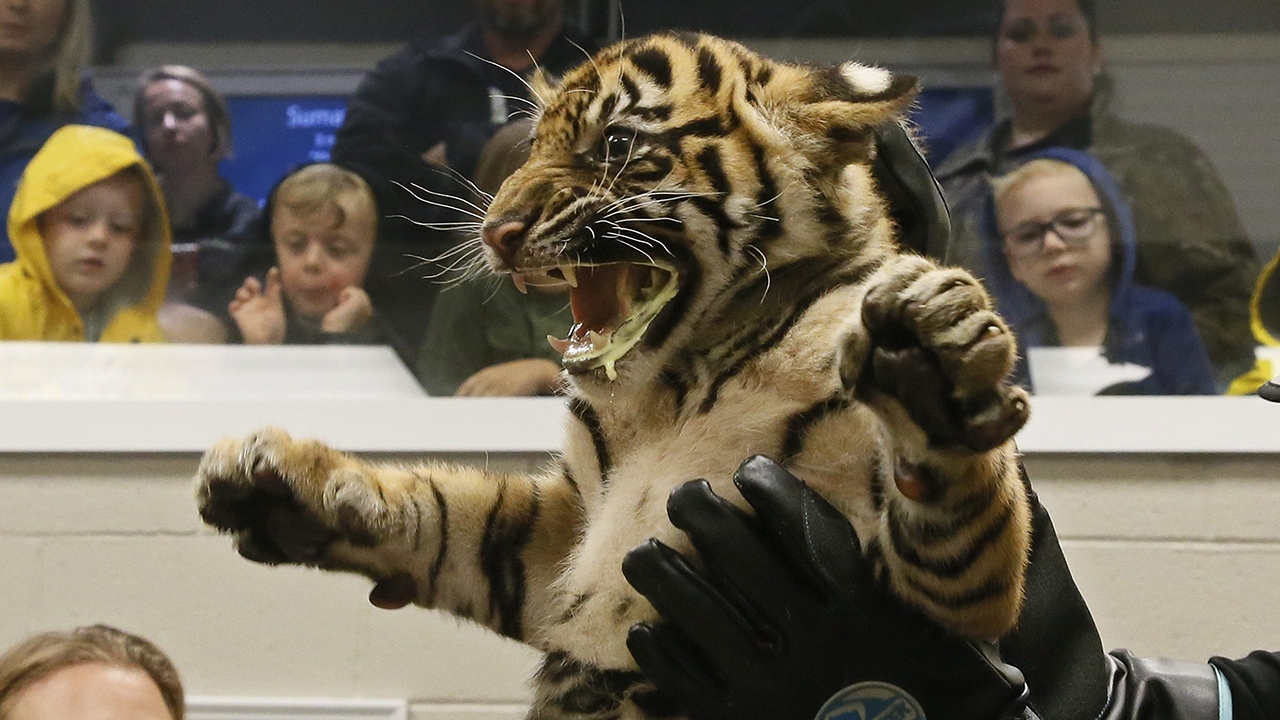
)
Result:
{"points": [[1057, 648], [1150, 688], [1055, 644], [915, 200], [1254, 683]]}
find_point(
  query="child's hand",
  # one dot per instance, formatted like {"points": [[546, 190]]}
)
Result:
{"points": [[351, 313], [532, 376], [259, 314]]}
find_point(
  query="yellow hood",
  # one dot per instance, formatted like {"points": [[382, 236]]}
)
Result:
{"points": [[73, 158]]}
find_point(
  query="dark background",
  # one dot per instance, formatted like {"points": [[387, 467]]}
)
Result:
{"points": [[122, 22]]}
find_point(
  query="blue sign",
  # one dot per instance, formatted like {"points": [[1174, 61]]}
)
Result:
{"points": [[272, 135]]}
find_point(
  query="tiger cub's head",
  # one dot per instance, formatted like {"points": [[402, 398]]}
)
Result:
{"points": [[669, 172]]}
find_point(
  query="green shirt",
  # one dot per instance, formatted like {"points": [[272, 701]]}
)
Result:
{"points": [[485, 322]]}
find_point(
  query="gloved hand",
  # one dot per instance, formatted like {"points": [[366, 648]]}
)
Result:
{"points": [[786, 614]]}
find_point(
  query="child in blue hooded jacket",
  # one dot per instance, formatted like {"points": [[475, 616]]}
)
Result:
{"points": [[1060, 257]]}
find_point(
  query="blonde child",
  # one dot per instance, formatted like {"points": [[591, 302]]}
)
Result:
{"points": [[323, 223], [1061, 256], [91, 237]]}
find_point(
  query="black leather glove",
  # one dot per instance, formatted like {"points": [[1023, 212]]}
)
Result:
{"points": [[785, 614]]}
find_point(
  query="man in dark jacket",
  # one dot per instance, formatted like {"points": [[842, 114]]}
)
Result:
{"points": [[415, 127]]}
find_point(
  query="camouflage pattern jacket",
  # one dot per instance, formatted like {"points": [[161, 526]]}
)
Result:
{"points": [[1190, 240]]}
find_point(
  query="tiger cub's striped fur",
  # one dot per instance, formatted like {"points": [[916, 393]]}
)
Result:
{"points": [[737, 291]]}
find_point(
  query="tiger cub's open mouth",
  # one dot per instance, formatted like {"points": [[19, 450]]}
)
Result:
{"points": [[612, 303]]}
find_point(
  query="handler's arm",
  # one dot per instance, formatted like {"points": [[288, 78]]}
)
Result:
{"points": [[782, 617]]}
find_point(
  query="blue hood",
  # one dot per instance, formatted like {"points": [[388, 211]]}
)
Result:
{"points": [[1024, 311]]}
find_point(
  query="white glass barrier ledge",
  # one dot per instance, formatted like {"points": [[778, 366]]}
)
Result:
{"points": [[78, 398]]}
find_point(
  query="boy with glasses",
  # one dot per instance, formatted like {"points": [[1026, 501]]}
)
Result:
{"points": [[1061, 257]]}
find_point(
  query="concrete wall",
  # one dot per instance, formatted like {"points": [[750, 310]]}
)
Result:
{"points": [[1179, 555], [116, 539]]}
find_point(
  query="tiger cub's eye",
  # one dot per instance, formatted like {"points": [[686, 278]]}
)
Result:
{"points": [[617, 142]]}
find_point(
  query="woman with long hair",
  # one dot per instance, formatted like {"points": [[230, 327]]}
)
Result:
{"points": [[45, 46]]}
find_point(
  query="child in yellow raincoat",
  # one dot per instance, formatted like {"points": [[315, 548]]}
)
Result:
{"points": [[89, 229]]}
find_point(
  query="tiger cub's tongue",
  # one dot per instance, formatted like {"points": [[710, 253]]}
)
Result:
{"points": [[596, 306], [594, 301]]}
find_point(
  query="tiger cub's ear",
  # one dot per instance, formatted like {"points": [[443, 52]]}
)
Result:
{"points": [[842, 104], [876, 93]]}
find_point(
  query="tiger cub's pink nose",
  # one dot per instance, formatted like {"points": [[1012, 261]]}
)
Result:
{"points": [[504, 237]]}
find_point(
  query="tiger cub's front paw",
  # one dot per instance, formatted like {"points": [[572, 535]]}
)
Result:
{"points": [[935, 345], [287, 501]]}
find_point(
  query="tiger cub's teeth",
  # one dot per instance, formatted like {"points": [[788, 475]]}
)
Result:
{"points": [[518, 279], [577, 343], [570, 275]]}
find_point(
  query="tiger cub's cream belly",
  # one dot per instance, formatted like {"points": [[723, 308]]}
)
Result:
{"points": [[599, 606]]}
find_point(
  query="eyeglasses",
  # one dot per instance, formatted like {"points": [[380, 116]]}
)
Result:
{"points": [[1073, 227]]}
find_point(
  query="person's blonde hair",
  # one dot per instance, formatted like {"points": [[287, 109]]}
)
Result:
{"points": [[72, 52], [215, 105], [1040, 167], [39, 656], [318, 187]]}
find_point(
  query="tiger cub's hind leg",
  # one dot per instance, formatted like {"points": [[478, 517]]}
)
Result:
{"points": [[932, 358]]}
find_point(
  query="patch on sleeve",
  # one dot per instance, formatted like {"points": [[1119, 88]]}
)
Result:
{"points": [[872, 701]]}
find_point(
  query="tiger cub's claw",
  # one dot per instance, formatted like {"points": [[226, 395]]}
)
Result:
{"points": [[284, 501]]}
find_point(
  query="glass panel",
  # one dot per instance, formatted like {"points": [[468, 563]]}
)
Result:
{"points": [[1170, 103]]}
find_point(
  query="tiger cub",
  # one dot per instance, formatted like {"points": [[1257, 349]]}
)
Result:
{"points": [[736, 290]]}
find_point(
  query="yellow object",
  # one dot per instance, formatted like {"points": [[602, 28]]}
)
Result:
{"points": [[1264, 320], [1249, 382], [32, 306], [1264, 306]]}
